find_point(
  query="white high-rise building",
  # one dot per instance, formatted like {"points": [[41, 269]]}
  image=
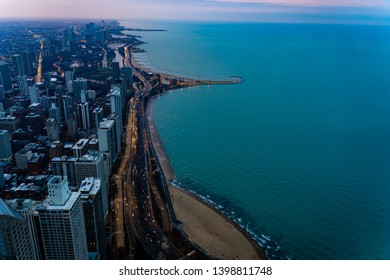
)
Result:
{"points": [[107, 138], [62, 222]]}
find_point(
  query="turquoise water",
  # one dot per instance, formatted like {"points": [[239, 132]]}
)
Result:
{"points": [[298, 154]]}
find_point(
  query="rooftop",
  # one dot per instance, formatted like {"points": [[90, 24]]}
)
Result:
{"points": [[6, 210], [63, 158], [80, 144], [68, 205], [106, 124], [89, 186]]}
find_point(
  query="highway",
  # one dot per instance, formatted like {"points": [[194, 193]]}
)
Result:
{"points": [[38, 78], [144, 219]]}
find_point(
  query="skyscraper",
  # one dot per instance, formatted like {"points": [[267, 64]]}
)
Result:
{"points": [[116, 113], [97, 116], [115, 69], [91, 198], [92, 165], [23, 85], [2, 180], [65, 166], [19, 67], [15, 237], [55, 113], [62, 222], [5, 145], [85, 120], [107, 139], [78, 85], [27, 58], [47, 80], [34, 94], [53, 130], [5, 77], [67, 103], [26, 207], [68, 76], [2, 92], [127, 73]]}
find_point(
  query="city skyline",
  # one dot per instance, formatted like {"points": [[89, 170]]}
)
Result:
{"points": [[344, 11]]}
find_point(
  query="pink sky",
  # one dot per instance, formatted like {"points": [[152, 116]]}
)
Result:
{"points": [[238, 10]]}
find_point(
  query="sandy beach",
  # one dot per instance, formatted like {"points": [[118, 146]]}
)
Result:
{"points": [[204, 224]]}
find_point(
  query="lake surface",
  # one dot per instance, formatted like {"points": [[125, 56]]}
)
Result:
{"points": [[299, 153]]}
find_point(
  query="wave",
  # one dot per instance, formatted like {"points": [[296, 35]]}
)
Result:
{"points": [[272, 248]]}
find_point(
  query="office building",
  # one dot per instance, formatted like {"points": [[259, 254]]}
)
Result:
{"points": [[67, 103], [5, 146], [65, 166], [91, 198], [53, 130], [68, 76], [97, 116], [47, 80], [80, 148], [127, 75], [35, 93], [116, 113], [78, 85], [55, 113], [27, 59], [26, 207], [2, 95], [2, 180], [15, 238], [92, 165], [115, 69], [5, 77], [19, 67], [84, 116], [23, 85], [10, 123], [22, 157], [107, 139], [62, 222]]}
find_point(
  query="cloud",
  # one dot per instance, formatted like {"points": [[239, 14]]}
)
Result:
{"points": [[313, 3]]}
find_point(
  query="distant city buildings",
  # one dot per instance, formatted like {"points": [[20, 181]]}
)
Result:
{"points": [[60, 136]]}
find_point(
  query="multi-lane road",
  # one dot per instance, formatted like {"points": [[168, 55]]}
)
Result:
{"points": [[144, 219]]}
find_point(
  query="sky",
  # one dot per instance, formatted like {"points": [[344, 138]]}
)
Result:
{"points": [[343, 11]]}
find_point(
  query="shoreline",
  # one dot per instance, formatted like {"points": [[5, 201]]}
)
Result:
{"points": [[206, 225], [185, 80]]}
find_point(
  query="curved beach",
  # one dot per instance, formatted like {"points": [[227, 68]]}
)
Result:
{"points": [[204, 224]]}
